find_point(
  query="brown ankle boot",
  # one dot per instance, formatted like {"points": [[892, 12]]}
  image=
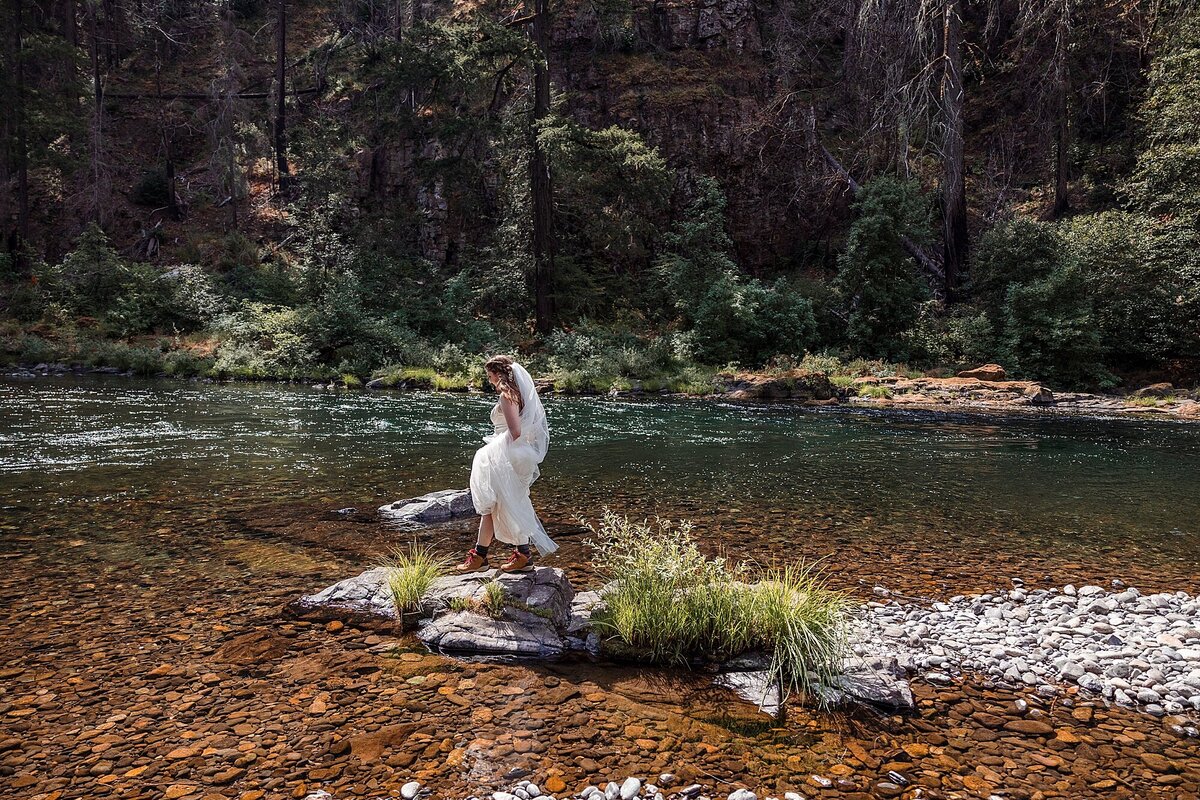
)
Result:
{"points": [[472, 563], [516, 562]]}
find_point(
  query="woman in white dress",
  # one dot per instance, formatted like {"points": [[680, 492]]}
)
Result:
{"points": [[505, 467]]}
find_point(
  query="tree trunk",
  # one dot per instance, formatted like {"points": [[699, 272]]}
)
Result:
{"points": [[954, 195], [16, 244], [1062, 131], [281, 164], [98, 121], [168, 155], [542, 188]]}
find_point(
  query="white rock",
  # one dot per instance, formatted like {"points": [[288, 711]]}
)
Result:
{"points": [[410, 790]]}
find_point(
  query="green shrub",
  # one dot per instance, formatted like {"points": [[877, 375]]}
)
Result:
{"points": [[182, 364], [35, 350], [879, 280], [1050, 331], [956, 337], [1015, 251], [669, 603], [152, 190]]}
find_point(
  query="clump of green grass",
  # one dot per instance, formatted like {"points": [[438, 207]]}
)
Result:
{"points": [[671, 604], [411, 377], [874, 390], [451, 383], [493, 598], [410, 574], [1145, 402]]}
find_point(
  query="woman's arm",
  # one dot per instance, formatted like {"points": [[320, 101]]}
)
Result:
{"points": [[511, 416]]}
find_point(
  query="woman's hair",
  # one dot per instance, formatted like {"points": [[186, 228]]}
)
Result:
{"points": [[502, 366]]}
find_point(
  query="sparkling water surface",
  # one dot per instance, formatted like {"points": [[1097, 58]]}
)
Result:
{"points": [[757, 476]]}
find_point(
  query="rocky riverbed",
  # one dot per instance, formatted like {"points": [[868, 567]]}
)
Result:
{"points": [[168, 670]]}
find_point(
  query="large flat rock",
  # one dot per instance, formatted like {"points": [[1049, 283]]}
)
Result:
{"points": [[515, 634], [440, 506], [543, 588], [364, 599]]}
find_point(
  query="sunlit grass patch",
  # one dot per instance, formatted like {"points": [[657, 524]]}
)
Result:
{"points": [[874, 390], [1145, 402], [669, 603], [410, 574]]}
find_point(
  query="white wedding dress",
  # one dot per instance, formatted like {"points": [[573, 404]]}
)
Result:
{"points": [[504, 468]]}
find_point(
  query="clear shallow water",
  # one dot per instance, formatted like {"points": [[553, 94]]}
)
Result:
{"points": [[760, 480]]}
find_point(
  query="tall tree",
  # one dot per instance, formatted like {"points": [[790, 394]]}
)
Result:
{"points": [[954, 192], [915, 48], [19, 154], [280, 129], [541, 183]]}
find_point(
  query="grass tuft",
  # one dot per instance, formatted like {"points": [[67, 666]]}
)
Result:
{"points": [[671, 604], [874, 390], [411, 572]]}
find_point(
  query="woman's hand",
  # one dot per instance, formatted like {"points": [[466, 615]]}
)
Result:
{"points": [[512, 417]]}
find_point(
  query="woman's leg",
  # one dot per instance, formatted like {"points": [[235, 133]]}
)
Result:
{"points": [[487, 530]]}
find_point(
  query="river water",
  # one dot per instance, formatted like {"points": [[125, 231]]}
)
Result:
{"points": [[151, 532]]}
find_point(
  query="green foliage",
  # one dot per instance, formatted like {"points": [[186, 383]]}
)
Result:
{"points": [[957, 337], [731, 318], [411, 572], [669, 603], [1165, 183], [152, 190], [263, 341], [1050, 332], [1018, 250], [1135, 292], [880, 281], [876, 391]]}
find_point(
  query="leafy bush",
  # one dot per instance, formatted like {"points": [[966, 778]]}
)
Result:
{"points": [[152, 190], [1135, 293], [1050, 331], [262, 341], [1018, 250], [956, 337], [878, 278]]}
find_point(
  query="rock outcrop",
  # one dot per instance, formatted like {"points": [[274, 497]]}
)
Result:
{"points": [[987, 372], [793, 385], [363, 600], [441, 506]]}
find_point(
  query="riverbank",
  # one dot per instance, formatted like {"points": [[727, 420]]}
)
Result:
{"points": [[991, 394]]}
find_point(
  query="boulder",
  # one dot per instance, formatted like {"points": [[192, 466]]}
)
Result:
{"points": [[864, 684], [755, 687], [987, 372], [1156, 390], [1039, 395], [364, 599], [793, 385], [516, 633], [441, 506], [544, 588]]}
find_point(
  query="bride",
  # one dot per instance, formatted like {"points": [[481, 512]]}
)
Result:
{"points": [[505, 467]]}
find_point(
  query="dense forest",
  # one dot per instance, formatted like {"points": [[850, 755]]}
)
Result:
{"points": [[614, 188]]}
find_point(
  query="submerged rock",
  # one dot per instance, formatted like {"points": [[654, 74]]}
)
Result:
{"points": [[862, 683], [440, 506], [755, 687]]}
